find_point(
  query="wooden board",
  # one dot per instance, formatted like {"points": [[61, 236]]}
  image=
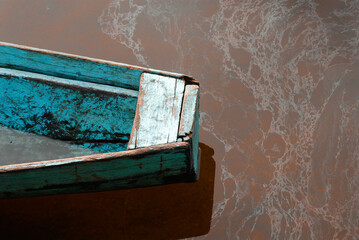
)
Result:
{"points": [[189, 125], [141, 167], [65, 109], [158, 111], [195, 154], [75, 67], [190, 99]]}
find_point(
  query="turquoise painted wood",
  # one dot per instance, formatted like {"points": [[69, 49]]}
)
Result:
{"points": [[48, 106], [195, 154], [94, 173], [189, 124], [74, 67], [102, 106]]}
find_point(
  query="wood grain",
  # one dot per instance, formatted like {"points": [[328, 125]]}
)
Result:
{"points": [[188, 110], [75, 67], [158, 111], [65, 109], [141, 167], [195, 153]]}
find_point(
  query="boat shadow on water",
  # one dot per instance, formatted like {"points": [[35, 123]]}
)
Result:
{"points": [[163, 212]]}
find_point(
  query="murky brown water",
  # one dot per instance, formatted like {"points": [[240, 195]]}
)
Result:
{"points": [[279, 107]]}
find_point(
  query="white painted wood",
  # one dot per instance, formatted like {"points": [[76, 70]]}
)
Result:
{"points": [[186, 138], [188, 110], [158, 111]]}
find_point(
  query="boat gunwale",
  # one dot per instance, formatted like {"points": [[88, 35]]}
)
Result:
{"points": [[93, 158], [188, 79]]}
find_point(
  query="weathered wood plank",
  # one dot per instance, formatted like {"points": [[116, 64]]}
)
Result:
{"points": [[158, 111], [140, 167], [65, 109], [195, 154], [188, 110], [189, 126], [75, 67]]}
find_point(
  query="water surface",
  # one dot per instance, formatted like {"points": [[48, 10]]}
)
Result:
{"points": [[279, 106]]}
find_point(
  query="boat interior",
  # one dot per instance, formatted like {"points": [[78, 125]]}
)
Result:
{"points": [[56, 105]]}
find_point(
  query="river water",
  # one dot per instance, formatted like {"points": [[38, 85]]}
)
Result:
{"points": [[279, 126]]}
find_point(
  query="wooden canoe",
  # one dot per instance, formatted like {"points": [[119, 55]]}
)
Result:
{"points": [[142, 122]]}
